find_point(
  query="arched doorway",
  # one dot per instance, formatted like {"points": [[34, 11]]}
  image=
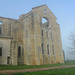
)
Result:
{"points": [[20, 55]]}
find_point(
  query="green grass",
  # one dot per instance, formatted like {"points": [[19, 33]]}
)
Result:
{"points": [[26, 66], [65, 71], [3, 74], [32, 66]]}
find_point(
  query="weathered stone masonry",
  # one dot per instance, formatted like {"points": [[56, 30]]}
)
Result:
{"points": [[30, 41]]}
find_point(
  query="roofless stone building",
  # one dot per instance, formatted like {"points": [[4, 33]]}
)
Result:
{"points": [[30, 40]]}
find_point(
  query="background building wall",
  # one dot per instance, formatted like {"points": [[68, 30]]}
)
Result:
{"points": [[5, 44]]}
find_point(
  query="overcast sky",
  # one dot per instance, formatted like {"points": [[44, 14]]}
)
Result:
{"points": [[64, 10]]}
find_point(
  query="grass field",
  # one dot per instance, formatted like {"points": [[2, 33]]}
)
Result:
{"points": [[66, 71], [14, 67], [3, 67], [3, 74]]}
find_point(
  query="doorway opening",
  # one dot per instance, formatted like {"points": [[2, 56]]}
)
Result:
{"points": [[19, 52], [8, 60]]}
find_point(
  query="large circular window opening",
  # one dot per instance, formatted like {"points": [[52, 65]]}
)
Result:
{"points": [[45, 22]]}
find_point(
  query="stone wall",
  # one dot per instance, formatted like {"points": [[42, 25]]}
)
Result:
{"points": [[5, 43]]}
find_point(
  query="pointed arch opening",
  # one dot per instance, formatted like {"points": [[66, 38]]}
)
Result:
{"points": [[0, 23], [45, 22]]}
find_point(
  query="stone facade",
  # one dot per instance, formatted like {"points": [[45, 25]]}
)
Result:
{"points": [[29, 41]]}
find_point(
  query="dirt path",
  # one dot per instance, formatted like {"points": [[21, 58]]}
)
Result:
{"points": [[9, 72]]}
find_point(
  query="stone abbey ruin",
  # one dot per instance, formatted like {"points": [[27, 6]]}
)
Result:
{"points": [[30, 41]]}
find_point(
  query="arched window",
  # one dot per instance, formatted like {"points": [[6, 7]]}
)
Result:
{"points": [[42, 45], [1, 27], [52, 36], [0, 51], [48, 48], [0, 23], [0, 30], [19, 51], [53, 49]]}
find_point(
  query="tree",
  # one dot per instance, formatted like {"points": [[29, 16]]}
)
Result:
{"points": [[72, 40]]}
